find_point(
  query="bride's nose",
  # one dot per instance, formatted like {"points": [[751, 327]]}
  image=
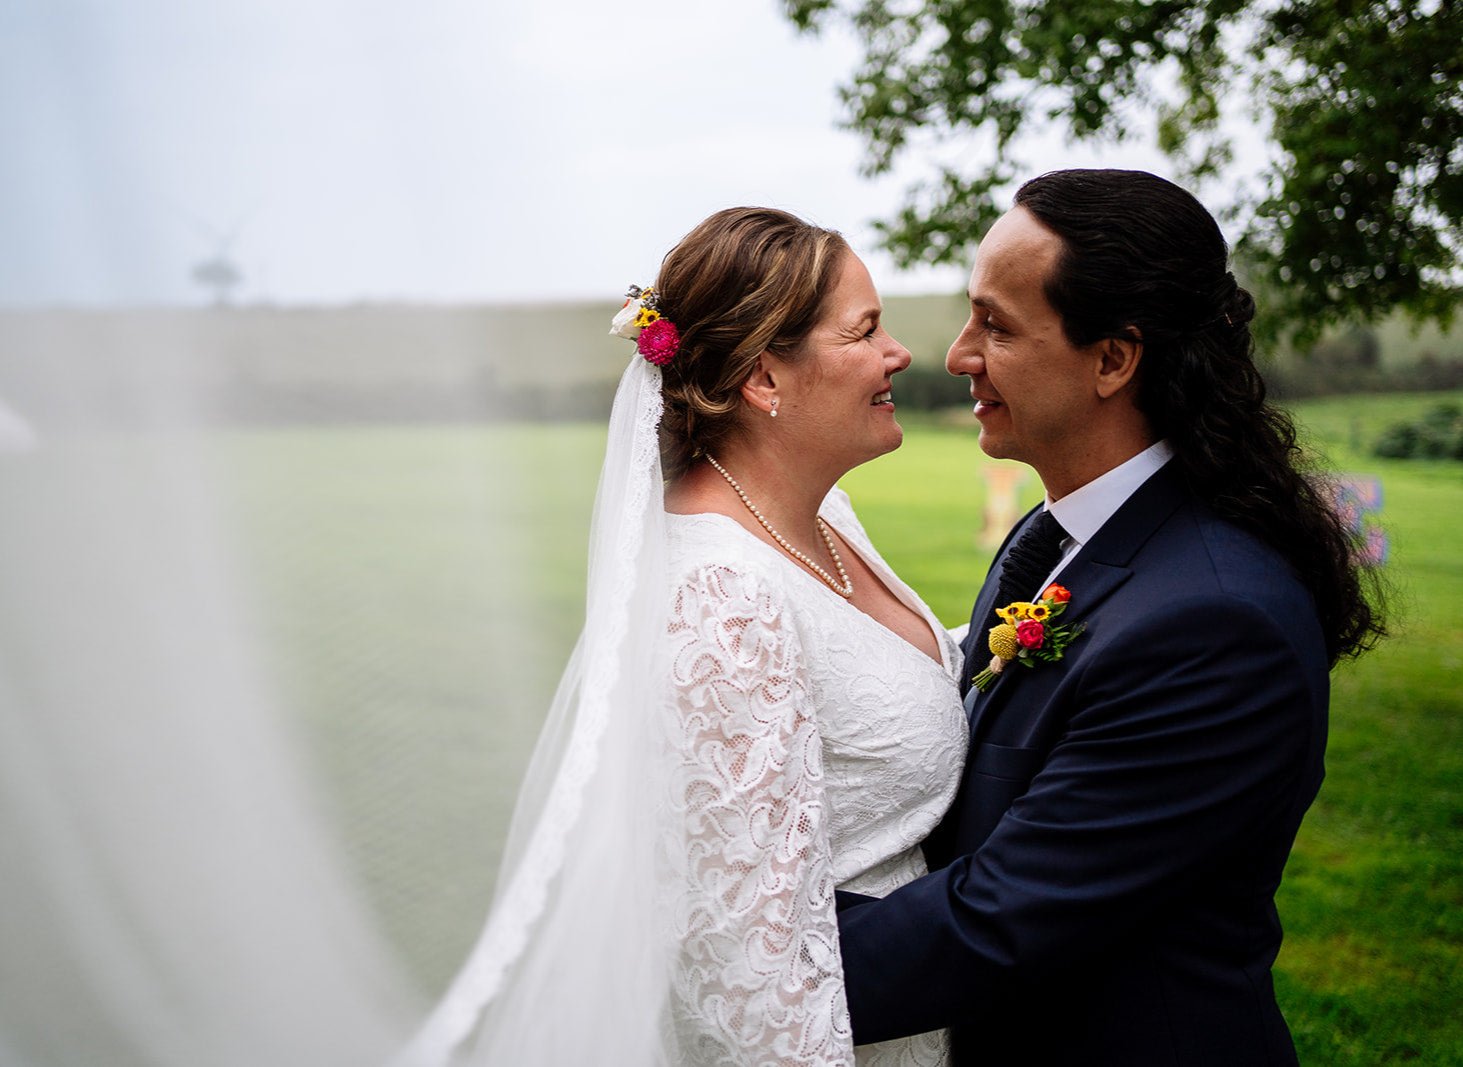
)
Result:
{"points": [[898, 354]]}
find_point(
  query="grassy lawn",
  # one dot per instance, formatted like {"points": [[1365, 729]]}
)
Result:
{"points": [[1372, 969], [423, 594]]}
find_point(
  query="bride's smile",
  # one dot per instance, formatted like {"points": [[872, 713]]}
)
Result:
{"points": [[845, 376]]}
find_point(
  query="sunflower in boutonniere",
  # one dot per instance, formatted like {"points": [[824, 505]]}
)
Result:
{"points": [[1027, 635]]}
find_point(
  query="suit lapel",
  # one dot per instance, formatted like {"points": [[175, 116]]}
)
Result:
{"points": [[1090, 582], [985, 603], [1095, 572]]}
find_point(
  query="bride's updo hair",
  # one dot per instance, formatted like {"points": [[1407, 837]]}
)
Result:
{"points": [[745, 281]]}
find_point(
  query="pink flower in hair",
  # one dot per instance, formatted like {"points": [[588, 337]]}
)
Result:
{"points": [[659, 342]]}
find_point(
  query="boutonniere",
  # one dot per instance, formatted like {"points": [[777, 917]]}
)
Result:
{"points": [[1026, 634]]}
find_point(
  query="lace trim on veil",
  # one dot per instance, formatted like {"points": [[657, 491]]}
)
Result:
{"points": [[625, 538]]}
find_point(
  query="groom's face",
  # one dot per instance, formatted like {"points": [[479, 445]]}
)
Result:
{"points": [[1034, 389]]}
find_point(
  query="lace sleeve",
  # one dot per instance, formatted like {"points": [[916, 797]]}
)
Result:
{"points": [[760, 979]]}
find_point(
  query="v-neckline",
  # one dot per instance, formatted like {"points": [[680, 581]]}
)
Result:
{"points": [[896, 585]]}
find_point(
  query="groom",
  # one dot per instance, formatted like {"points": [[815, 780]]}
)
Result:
{"points": [[1102, 889]]}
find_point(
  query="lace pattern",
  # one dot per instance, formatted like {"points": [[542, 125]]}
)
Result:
{"points": [[814, 750], [760, 980]]}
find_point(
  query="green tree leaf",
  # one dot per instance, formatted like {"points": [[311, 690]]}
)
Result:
{"points": [[1360, 213]]}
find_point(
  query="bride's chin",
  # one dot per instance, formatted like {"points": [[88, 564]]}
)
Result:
{"points": [[885, 447]]}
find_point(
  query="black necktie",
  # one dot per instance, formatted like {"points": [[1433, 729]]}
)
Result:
{"points": [[1030, 559]]}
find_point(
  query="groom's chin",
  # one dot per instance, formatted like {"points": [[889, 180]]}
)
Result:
{"points": [[994, 445]]}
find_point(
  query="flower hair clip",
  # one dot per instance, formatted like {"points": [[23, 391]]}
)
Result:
{"points": [[655, 336]]}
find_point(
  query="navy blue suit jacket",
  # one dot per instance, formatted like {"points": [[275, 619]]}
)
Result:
{"points": [[1102, 890]]}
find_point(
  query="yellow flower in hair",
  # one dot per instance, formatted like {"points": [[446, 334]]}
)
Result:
{"points": [[646, 317]]}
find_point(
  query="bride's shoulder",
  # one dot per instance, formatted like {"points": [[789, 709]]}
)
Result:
{"points": [[838, 509], [702, 535], [837, 502], [711, 557]]}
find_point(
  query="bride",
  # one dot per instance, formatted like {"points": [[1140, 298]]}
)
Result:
{"points": [[758, 712]]}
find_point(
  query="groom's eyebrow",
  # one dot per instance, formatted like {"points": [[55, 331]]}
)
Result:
{"points": [[988, 302]]}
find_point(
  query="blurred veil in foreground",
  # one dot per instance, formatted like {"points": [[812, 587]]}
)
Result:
{"points": [[173, 893], [271, 658]]}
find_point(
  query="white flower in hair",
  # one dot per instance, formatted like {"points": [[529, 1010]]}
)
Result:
{"points": [[640, 311], [623, 324]]}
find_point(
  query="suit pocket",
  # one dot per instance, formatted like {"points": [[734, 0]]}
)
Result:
{"points": [[1009, 764]]}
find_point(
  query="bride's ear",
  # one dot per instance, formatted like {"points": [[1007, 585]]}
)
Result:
{"points": [[760, 388]]}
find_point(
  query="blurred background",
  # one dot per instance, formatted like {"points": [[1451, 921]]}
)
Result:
{"points": [[304, 369]]}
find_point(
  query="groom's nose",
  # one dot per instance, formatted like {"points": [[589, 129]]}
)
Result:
{"points": [[965, 356]]}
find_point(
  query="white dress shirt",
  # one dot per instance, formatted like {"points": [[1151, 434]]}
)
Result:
{"points": [[1083, 511]]}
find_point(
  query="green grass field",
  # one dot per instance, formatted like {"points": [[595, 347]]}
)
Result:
{"points": [[423, 594]]}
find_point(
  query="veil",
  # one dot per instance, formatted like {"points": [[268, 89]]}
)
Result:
{"points": [[275, 628], [213, 709], [174, 891], [572, 965]]}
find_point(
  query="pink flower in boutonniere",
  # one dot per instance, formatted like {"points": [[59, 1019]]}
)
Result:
{"points": [[1026, 634], [1030, 633]]}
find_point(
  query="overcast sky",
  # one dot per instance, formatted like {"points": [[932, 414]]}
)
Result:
{"points": [[437, 150]]}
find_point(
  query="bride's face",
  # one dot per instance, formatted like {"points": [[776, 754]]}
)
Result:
{"points": [[836, 400]]}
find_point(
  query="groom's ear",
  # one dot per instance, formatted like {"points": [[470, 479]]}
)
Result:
{"points": [[760, 388], [1118, 359]]}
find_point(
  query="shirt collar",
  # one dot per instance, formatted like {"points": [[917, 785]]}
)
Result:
{"points": [[1083, 511]]}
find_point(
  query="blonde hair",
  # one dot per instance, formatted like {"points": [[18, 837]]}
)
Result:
{"points": [[745, 281]]}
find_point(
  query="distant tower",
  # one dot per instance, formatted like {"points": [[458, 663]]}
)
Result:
{"points": [[219, 274]]}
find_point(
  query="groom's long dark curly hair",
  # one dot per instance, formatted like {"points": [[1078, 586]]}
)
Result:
{"points": [[1142, 258]]}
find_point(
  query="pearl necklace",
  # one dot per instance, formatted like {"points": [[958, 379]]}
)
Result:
{"points": [[845, 589]]}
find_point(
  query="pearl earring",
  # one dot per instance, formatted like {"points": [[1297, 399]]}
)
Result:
{"points": [[774, 409]]}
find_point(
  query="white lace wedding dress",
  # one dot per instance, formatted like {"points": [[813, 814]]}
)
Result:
{"points": [[816, 750]]}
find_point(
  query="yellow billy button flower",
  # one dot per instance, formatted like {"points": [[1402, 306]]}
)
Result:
{"points": [[1002, 641]]}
